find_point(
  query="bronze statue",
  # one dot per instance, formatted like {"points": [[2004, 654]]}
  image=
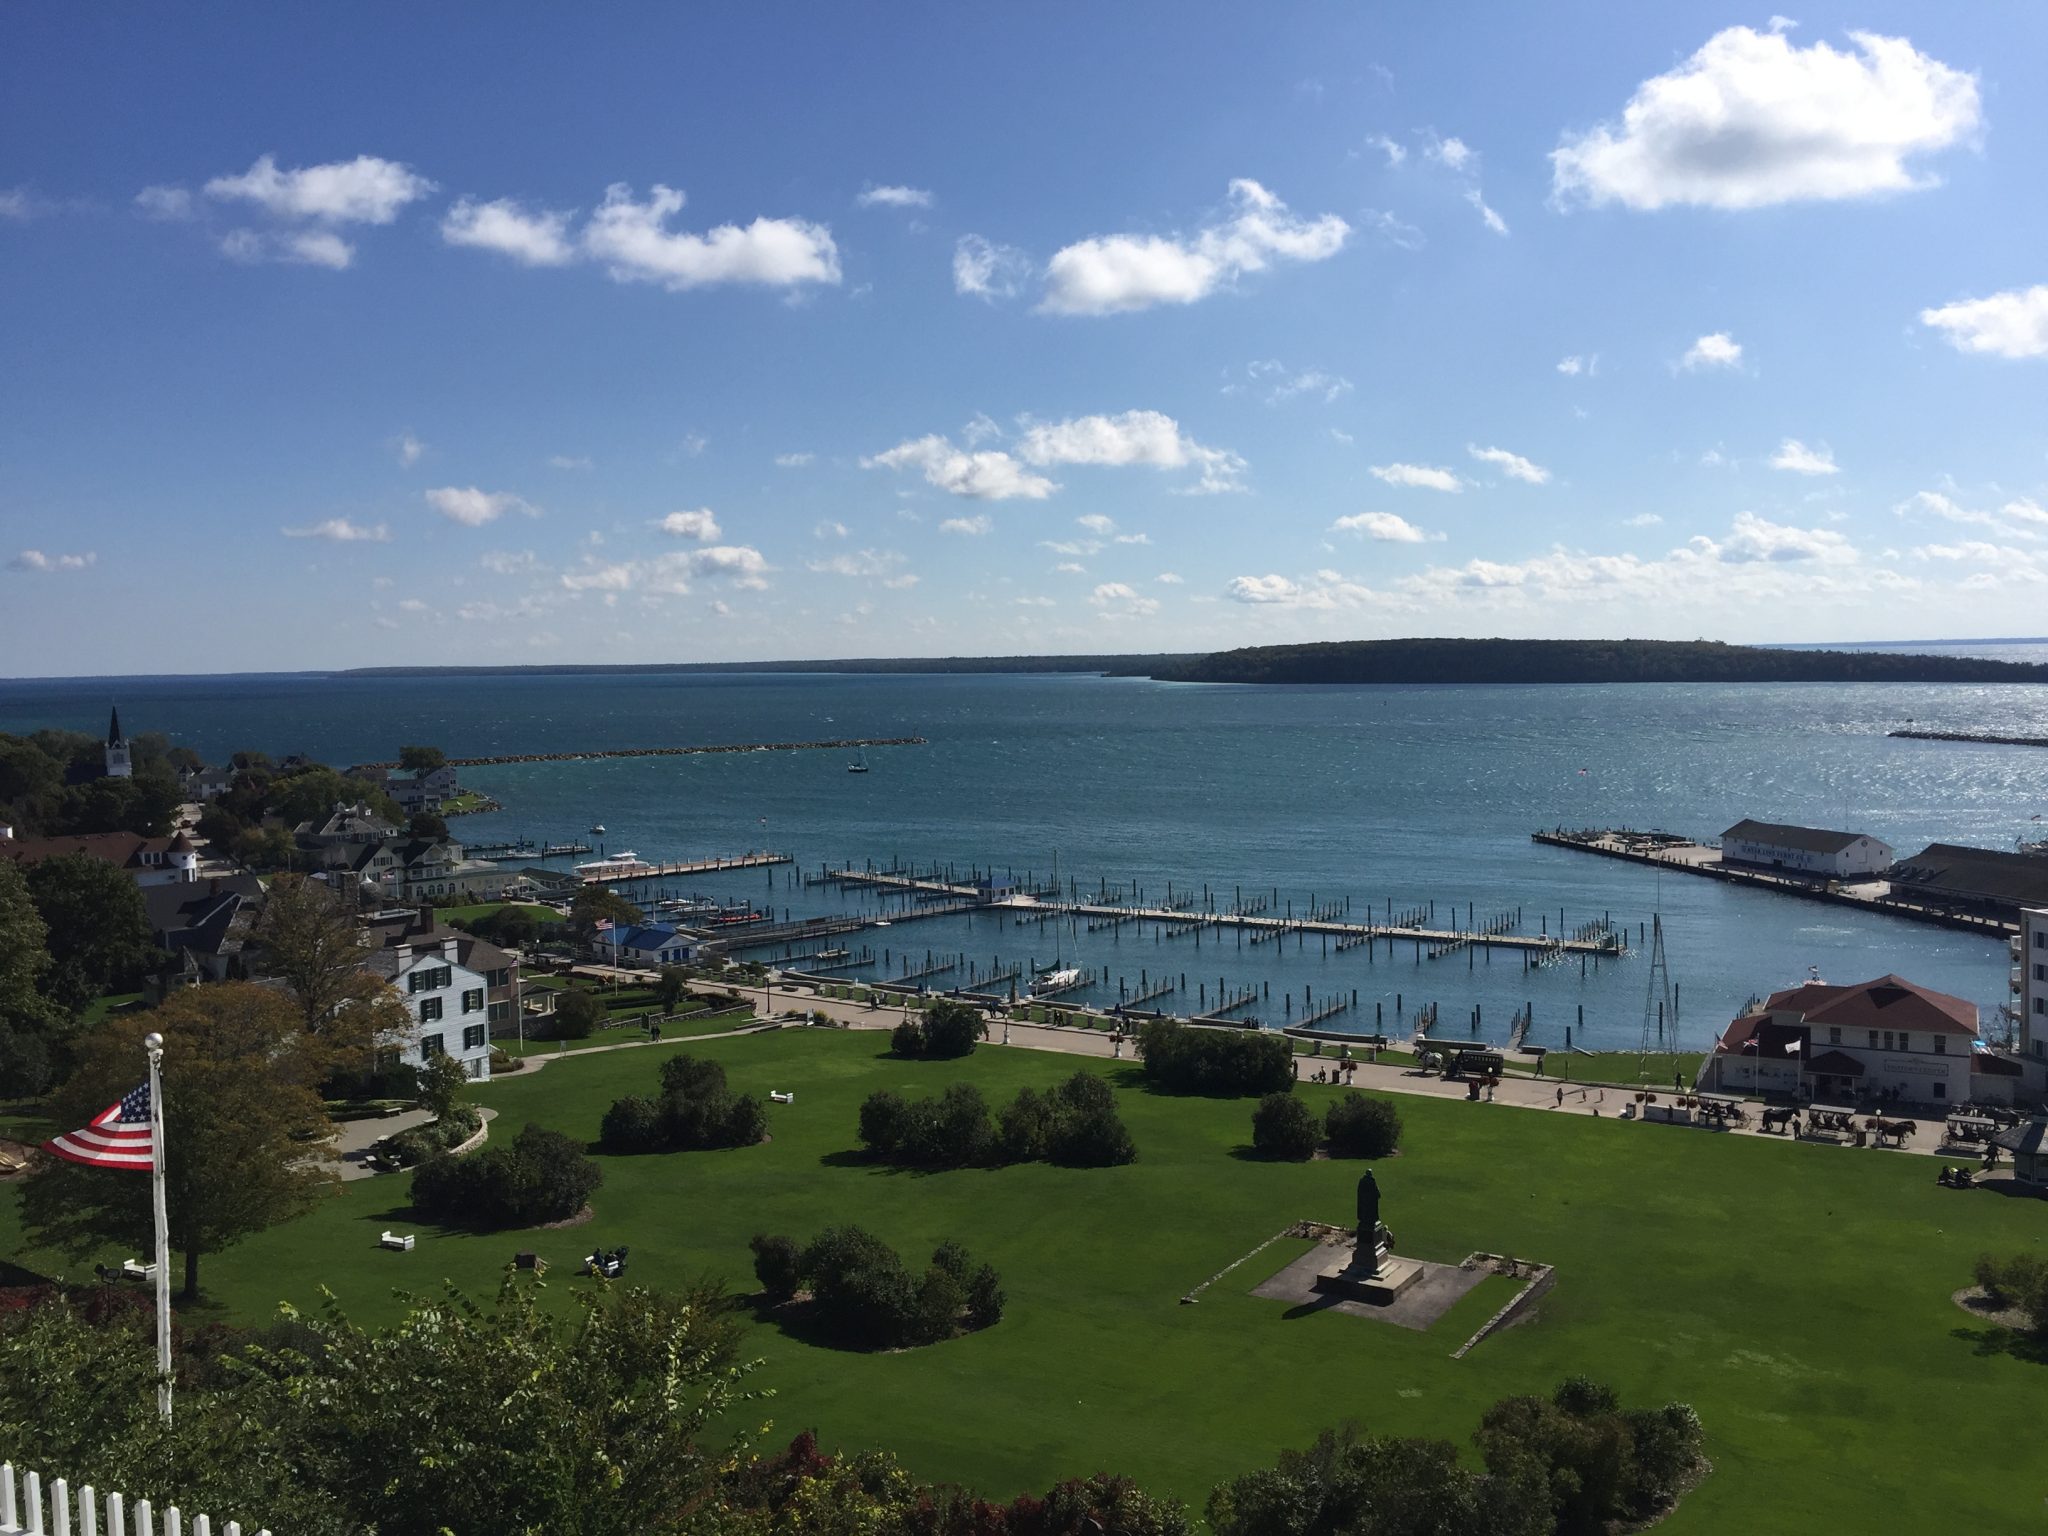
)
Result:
{"points": [[1368, 1211]]}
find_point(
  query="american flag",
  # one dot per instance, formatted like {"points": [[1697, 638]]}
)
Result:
{"points": [[120, 1137]]}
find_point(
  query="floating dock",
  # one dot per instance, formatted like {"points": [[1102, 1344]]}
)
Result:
{"points": [[686, 867]]}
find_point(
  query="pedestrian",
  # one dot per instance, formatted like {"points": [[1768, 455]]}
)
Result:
{"points": [[1560, 1096]]}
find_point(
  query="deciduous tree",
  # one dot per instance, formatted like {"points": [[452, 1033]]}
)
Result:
{"points": [[99, 936]]}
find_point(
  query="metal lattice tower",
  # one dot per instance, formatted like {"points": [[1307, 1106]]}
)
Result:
{"points": [[1660, 1007]]}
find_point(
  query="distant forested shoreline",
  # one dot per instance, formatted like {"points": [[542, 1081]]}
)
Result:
{"points": [[1381, 661]]}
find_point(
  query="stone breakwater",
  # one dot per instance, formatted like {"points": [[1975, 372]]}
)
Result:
{"points": [[1976, 736], [840, 744]]}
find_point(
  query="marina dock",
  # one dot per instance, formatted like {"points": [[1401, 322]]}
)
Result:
{"points": [[630, 873]]}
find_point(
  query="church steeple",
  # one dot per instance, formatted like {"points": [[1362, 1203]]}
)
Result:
{"points": [[119, 763]]}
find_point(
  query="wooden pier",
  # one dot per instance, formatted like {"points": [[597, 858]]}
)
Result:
{"points": [[708, 866], [838, 744]]}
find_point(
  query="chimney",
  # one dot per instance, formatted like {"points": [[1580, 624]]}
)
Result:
{"points": [[404, 956], [448, 949]]}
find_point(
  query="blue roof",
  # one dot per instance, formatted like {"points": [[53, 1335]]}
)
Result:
{"points": [[650, 936]]}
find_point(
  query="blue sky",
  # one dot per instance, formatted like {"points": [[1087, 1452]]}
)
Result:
{"points": [[518, 335]]}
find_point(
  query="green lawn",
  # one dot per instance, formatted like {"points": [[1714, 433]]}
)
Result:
{"points": [[482, 910], [709, 1024], [112, 1002], [1798, 1296]]}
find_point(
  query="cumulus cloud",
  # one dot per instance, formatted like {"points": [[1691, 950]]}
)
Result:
{"points": [[1575, 365], [1753, 120], [1487, 216], [793, 460], [829, 529], [974, 527], [365, 190], [985, 475], [1394, 152], [1513, 465], [1719, 350], [1111, 274], [1279, 383], [1120, 600], [509, 562], [1422, 476], [985, 270], [701, 525], [1753, 539], [339, 530], [884, 565], [2010, 324], [1168, 579], [2020, 518], [1795, 456], [300, 247], [1097, 522], [1386, 527], [633, 240], [37, 560], [1452, 153], [894, 197], [669, 575], [473, 508], [1325, 591], [535, 239], [1132, 437]]}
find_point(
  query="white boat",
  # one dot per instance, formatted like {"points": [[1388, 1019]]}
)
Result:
{"points": [[1049, 979], [597, 830], [859, 763], [880, 922], [625, 863]]}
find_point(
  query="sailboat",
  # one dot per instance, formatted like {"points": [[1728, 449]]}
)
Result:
{"points": [[859, 763]]}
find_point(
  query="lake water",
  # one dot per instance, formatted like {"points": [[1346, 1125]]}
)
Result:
{"points": [[1367, 794]]}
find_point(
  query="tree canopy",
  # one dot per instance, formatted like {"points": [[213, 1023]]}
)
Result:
{"points": [[99, 934]]}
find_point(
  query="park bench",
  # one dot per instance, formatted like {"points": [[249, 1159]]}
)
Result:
{"points": [[394, 1240], [780, 1097], [135, 1269]]}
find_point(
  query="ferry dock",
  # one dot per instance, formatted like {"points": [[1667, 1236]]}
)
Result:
{"points": [[1671, 850], [629, 873]]}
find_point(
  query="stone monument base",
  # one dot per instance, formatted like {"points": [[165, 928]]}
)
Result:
{"points": [[1379, 1287]]}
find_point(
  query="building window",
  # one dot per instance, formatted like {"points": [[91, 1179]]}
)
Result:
{"points": [[1887, 1039], [432, 1046], [2040, 971], [499, 1012], [472, 1036], [1941, 1045], [1834, 1035], [1941, 1090], [430, 1010], [473, 1000], [1873, 1039]]}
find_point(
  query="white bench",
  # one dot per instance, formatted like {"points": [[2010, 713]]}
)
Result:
{"points": [[783, 1098], [393, 1240], [135, 1269]]}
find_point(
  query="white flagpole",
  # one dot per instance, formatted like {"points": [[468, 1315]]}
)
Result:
{"points": [[154, 1045]]}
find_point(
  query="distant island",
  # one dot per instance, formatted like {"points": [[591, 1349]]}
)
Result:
{"points": [[1381, 661], [1581, 661]]}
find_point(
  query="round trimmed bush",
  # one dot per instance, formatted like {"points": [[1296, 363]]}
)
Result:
{"points": [[1283, 1127], [1361, 1127]]}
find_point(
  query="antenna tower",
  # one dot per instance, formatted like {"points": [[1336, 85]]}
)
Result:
{"points": [[1660, 1007]]}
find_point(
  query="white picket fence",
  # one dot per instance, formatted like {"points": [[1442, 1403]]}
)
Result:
{"points": [[25, 1511]]}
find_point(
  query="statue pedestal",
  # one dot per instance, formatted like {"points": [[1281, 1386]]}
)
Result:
{"points": [[1376, 1282]]}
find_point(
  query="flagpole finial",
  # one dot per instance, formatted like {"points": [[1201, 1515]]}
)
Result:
{"points": [[153, 1043]]}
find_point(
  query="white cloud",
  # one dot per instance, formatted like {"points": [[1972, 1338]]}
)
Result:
{"points": [[1133, 538], [1975, 551], [412, 605], [1386, 527], [2021, 518], [1513, 465], [365, 190], [19, 204], [669, 575], [1487, 216], [1110, 274], [634, 242], [986, 270], [1393, 230], [2009, 324], [1133, 437], [169, 204], [473, 508], [865, 564], [1034, 602], [1795, 456], [339, 530], [1453, 153], [1120, 600], [1339, 435], [894, 197], [36, 560], [974, 527], [1072, 546], [1642, 520], [701, 525], [537, 239], [1096, 522], [1395, 153], [1422, 476], [1168, 579], [1751, 120], [1282, 384], [2026, 510], [299, 247], [989, 475], [980, 429], [694, 444], [793, 460], [829, 529], [568, 461], [1754, 539], [1572, 366], [1718, 350], [509, 562], [409, 448], [1326, 590], [1071, 568]]}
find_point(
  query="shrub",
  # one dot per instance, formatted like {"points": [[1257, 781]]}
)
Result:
{"points": [[1094, 1138], [540, 1176], [985, 1297], [2020, 1281], [692, 1076], [1183, 1058], [1361, 1127], [952, 1131], [883, 1119], [862, 1294], [907, 1039], [1025, 1130], [1074, 1125], [778, 1265], [578, 1015], [946, 1029], [632, 1125], [1283, 1127], [1600, 1464], [940, 1300], [746, 1121]]}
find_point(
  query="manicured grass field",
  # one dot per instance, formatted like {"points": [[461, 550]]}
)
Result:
{"points": [[482, 910], [1797, 1296], [709, 1024]]}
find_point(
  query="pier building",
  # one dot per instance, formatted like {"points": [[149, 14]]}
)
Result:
{"points": [[1805, 850], [1842, 1044]]}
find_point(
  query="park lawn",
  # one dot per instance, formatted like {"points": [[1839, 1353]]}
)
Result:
{"points": [[482, 910], [623, 1034], [97, 1010], [1624, 1067], [465, 802], [1797, 1296]]}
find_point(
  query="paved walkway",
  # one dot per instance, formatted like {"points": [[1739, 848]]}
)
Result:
{"points": [[1604, 1101], [352, 1146]]}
